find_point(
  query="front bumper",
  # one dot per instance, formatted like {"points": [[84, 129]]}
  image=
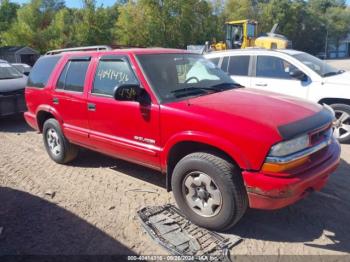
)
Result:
{"points": [[12, 103], [274, 192]]}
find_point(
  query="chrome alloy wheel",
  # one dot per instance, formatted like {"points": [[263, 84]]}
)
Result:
{"points": [[53, 141], [202, 194], [342, 124]]}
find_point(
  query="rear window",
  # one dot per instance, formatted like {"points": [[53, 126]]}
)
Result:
{"points": [[239, 65], [42, 70]]}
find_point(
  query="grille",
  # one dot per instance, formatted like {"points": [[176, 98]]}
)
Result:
{"points": [[12, 102]]}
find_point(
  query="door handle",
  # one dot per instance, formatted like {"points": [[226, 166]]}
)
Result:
{"points": [[55, 100], [261, 84], [91, 107]]}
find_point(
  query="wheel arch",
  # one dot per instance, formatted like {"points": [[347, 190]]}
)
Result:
{"points": [[330, 101], [180, 149], [46, 112]]}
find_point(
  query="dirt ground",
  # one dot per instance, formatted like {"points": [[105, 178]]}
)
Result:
{"points": [[89, 206]]}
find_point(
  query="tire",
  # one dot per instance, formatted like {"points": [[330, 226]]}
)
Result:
{"points": [[225, 178], [64, 151], [342, 126]]}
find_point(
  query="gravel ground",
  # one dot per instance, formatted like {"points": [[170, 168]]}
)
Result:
{"points": [[89, 206]]}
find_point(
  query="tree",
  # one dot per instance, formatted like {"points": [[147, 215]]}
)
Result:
{"points": [[94, 25], [8, 12], [240, 9], [32, 24], [337, 24], [61, 32], [333, 18], [167, 23]]}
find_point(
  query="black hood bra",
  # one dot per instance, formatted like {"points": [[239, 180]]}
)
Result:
{"points": [[305, 125]]}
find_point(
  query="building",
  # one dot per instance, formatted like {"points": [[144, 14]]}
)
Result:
{"points": [[340, 51], [19, 54]]}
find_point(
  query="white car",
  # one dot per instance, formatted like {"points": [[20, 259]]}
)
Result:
{"points": [[293, 73]]}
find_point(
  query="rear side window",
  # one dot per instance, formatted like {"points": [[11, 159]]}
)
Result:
{"points": [[73, 76], [42, 70], [239, 65], [110, 74]]}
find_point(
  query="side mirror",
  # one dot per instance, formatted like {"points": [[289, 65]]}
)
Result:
{"points": [[127, 92], [298, 74]]}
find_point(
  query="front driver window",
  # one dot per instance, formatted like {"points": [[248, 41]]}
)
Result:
{"points": [[110, 74], [273, 67]]}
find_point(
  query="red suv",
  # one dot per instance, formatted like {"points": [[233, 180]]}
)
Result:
{"points": [[222, 147]]}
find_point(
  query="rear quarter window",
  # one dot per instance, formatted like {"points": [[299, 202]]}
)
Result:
{"points": [[42, 70]]}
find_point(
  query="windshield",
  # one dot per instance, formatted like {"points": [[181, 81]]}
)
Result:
{"points": [[8, 72], [178, 76], [317, 65]]}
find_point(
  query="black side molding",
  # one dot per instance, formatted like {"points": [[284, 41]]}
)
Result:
{"points": [[306, 125]]}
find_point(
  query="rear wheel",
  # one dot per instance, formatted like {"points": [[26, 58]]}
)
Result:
{"points": [[209, 190], [57, 146], [342, 124]]}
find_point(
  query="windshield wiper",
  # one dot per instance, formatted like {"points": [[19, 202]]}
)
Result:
{"points": [[227, 85], [7, 78], [333, 73], [194, 90]]}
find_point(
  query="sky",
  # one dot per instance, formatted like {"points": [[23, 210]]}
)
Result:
{"points": [[76, 3]]}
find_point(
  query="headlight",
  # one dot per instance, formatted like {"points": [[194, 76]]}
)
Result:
{"points": [[289, 147]]}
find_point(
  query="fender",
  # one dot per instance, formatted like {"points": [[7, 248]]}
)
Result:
{"points": [[51, 110], [194, 136]]}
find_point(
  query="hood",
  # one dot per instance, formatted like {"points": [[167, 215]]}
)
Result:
{"points": [[341, 79], [290, 116], [9, 85]]}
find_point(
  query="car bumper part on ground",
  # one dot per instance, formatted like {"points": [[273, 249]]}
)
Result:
{"points": [[12, 103], [272, 192]]}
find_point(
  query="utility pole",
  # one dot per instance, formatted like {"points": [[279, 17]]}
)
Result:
{"points": [[326, 44]]}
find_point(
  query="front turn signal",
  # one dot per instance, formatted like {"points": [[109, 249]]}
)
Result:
{"points": [[281, 167]]}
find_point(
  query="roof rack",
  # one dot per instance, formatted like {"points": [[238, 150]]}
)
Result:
{"points": [[76, 49]]}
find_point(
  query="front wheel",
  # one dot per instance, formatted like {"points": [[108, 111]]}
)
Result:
{"points": [[209, 190], [342, 123]]}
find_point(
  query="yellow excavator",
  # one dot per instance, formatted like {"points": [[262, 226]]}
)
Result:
{"points": [[244, 34]]}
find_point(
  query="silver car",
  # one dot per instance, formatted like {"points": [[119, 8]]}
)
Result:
{"points": [[12, 84]]}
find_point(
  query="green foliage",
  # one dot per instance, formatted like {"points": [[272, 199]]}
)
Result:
{"points": [[49, 24], [240, 9], [170, 23], [8, 12]]}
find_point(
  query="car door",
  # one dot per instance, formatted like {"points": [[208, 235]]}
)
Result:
{"points": [[272, 74], [69, 98], [125, 129], [238, 67]]}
